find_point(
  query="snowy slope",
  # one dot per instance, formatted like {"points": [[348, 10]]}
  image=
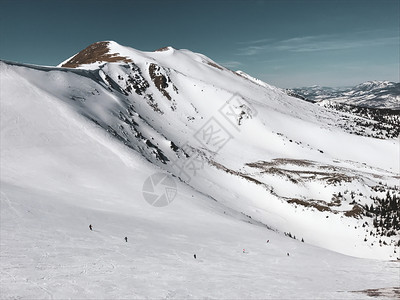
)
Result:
{"points": [[78, 144]]}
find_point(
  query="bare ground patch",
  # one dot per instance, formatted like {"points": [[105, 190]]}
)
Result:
{"points": [[355, 212], [214, 65], [233, 172], [160, 81], [95, 52], [162, 49], [311, 203], [390, 292], [329, 174]]}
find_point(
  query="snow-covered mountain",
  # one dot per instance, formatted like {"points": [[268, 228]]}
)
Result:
{"points": [[372, 94], [87, 141]]}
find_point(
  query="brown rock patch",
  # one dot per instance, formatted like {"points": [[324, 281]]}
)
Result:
{"points": [[160, 81], [310, 203], [162, 49], [355, 212], [214, 65], [95, 52]]}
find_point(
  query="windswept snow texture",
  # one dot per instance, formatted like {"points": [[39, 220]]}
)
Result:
{"points": [[250, 164]]}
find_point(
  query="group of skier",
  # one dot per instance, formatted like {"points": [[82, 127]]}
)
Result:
{"points": [[194, 255], [91, 229]]}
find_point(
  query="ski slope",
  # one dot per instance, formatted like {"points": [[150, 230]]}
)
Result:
{"points": [[78, 144], [48, 252]]}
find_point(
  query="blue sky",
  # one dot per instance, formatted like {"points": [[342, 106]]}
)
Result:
{"points": [[285, 43]]}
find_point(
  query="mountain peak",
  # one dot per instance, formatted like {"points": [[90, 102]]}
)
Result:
{"points": [[168, 48], [373, 84], [96, 52]]}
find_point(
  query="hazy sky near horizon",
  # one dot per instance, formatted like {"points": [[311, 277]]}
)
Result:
{"points": [[287, 43]]}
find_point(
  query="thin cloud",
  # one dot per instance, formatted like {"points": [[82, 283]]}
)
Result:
{"points": [[318, 43], [253, 42], [252, 50], [315, 44]]}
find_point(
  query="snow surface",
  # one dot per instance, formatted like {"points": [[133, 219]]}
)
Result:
{"points": [[71, 155]]}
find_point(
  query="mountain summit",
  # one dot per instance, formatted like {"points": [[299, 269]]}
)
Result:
{"points": [[95, 53]]}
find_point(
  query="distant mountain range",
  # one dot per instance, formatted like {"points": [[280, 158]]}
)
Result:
{"points": [[373, 94]]}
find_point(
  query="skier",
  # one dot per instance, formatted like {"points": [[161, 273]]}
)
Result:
{"points": [[288, 254], [126, 239], [267, 241], [195, 257], [244, 251], [90, 227]]}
